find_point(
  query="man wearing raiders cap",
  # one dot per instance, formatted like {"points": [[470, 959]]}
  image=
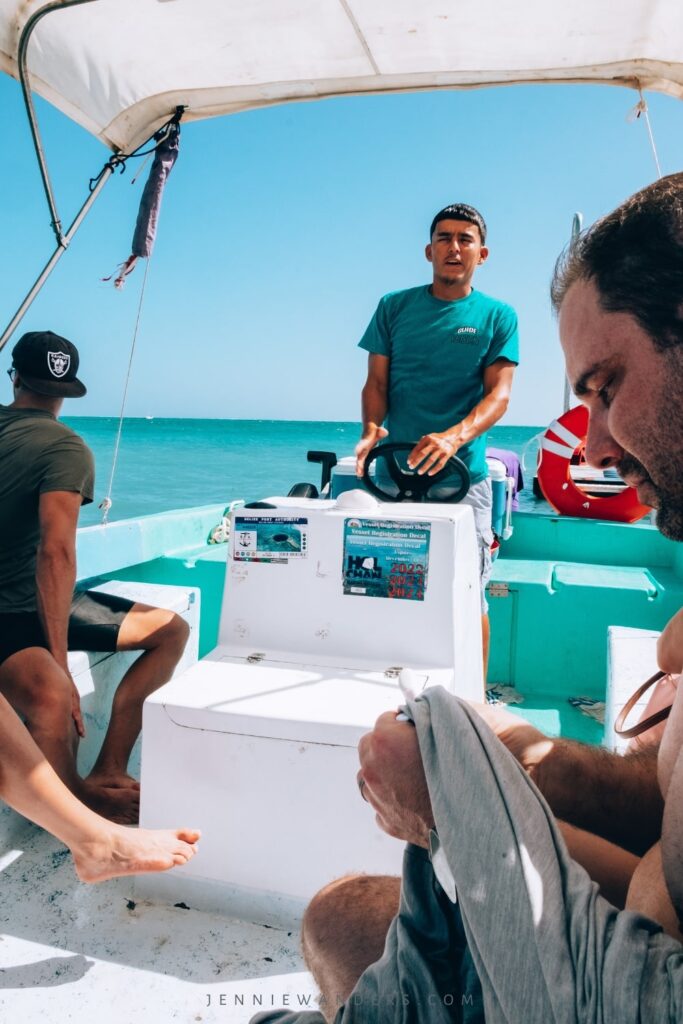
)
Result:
{"points": [[46, 474]]}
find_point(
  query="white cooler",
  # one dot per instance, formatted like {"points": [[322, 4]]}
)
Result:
{"points": [[257, 743]]}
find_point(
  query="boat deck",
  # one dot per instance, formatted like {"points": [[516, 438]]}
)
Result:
{"points": [[75, 952]]}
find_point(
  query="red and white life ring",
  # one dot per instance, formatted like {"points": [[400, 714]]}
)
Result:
{"points": [[562, 440]]}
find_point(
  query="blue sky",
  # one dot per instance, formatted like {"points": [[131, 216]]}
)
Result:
{"points": [[281, 228]]}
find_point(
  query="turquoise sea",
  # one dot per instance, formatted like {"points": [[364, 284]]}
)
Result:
{"points": [[176, 463]]}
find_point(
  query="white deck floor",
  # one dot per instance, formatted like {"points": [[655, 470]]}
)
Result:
{"points": [[74, 953]]}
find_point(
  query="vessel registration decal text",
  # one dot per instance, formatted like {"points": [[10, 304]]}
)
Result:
{"points": [[386, 558]]}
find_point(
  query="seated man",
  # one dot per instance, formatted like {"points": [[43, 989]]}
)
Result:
{"points": [[501, 896], [46, 473]]}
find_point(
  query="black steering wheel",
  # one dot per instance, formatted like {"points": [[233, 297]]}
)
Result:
{"points": [[450, 484]]}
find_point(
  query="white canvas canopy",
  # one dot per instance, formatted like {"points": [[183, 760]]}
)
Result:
{"points": [[120, 67]]}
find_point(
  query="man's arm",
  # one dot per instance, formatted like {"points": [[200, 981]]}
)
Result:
{"points": [[670, 645], [614, 796], [607, 864], [56, 574], [373, 407], [611, 795], [434, 450], [590, 788]]}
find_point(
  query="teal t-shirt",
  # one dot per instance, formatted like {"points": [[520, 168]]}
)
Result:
{"points": [[438, 352]]}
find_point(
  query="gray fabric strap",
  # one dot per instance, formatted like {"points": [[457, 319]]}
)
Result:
{"points": [[546, 946]]}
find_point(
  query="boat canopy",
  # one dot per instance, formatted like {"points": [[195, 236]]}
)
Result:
{"points": [[121, 67]]}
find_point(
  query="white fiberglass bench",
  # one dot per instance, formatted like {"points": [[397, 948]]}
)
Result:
{"points": [[256, 745], [631, 659], [97, 674]]}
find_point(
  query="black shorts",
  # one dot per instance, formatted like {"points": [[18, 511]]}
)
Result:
{"points": [[94, 623], [19, 630], [95, 620]]}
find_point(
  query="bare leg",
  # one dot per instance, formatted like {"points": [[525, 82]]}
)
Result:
{"points": [[344, 930], [100, 848], [162, 636], [35, 685], [607, 864]]}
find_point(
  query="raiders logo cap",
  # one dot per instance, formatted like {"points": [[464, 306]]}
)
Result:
{"points": [[48, 364]]}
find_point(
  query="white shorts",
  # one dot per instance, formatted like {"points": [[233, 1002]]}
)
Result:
{"points": [[479, 498]]}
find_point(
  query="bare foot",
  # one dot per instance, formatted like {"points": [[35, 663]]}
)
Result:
{"points": [[118, 805], [132, 851], [102, 779]]}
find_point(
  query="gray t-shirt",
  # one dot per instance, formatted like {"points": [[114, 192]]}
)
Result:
{"points": [[37, 454]]}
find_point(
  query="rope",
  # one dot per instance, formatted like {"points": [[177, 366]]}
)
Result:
{"points": [[642, 108], [120, 159], [106, 502], [536, 438]]}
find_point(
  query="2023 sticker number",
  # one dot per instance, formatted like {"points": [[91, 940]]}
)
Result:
{"points": [[406, 580]]}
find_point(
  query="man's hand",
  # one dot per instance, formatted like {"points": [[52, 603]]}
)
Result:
{"points": [[76, 709], [395, 784], [75, 702], [371, 436], [528, 744], [432, 452]]}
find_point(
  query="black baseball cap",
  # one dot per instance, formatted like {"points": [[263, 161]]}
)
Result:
{"points": [[48, 364]]}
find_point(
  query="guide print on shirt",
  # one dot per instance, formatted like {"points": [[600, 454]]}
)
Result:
{"points": [[467, 336]]}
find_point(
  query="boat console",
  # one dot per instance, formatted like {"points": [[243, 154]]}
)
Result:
{"points": [[328, 606]]}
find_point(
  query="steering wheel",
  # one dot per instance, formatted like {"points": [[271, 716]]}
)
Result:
{"points": [[450, 484]]}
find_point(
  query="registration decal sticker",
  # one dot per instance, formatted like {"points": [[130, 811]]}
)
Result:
{"points": [[386, 558], [269, 538]]}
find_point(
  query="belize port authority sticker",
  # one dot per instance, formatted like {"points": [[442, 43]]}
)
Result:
{"points": [[269, 538], [385, 558]]}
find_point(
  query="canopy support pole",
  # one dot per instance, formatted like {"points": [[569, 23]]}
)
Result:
{"points": [[577, 224], [107, 172], [22, 52], [62, 239]]}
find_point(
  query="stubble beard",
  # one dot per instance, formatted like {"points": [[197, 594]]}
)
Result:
{"points": [[668, 503], [450, 282], [669, 517], [669, 488]]}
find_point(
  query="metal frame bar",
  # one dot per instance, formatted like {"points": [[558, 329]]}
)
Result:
{"points": [[577, 224], [56, 256], [22, 56], [63, 239]]}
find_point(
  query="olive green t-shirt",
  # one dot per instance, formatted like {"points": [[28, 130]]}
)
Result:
{"points": [[37, 454]]}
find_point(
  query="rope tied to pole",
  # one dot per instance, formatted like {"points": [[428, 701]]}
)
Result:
{"points": [[164, 153], [641, 110], [106, 503]]}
